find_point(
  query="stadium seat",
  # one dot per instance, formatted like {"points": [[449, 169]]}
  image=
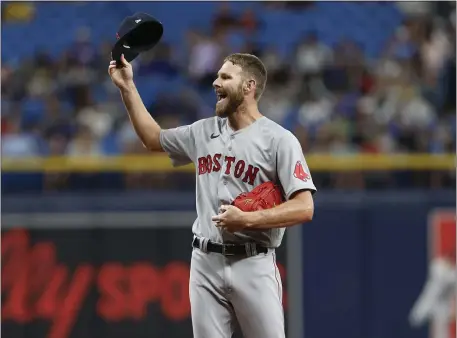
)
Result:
{"points": [[368, 24]]}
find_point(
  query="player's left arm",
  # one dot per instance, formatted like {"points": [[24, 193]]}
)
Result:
{"points": [[298, 187]]}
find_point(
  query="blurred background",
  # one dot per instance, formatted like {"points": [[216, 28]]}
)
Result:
{"points": [[96, 232]]}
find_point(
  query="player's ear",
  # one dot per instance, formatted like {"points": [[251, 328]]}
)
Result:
{"points": [[249, 86]]}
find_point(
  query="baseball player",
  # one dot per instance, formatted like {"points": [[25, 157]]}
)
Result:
{"points": [[436, 303], [233, 277]]}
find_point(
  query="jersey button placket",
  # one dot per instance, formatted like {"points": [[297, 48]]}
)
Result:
{"points": [[222, 189], [232, 137], [229, 148]]}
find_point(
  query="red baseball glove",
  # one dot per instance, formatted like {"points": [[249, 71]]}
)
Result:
{"points": [[265, 196]]}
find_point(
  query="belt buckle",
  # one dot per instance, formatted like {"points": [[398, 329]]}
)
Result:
{"points": [[224, 251]]}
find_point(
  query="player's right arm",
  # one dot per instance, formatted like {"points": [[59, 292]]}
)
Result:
{"points": [[177, 142], [145, 126]]}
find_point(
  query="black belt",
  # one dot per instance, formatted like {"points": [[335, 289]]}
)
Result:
{"points": [[228, 249]]}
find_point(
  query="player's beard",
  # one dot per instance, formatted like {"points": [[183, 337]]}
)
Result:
{"points": [[230, 104]]}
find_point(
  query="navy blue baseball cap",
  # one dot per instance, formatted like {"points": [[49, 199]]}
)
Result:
{"points": [[137, 33]]}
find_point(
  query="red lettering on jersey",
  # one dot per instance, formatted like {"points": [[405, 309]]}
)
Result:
{"points": [[209, 164], [202, 165], [229, 160], [217, 165], [239, 168], [213, 163], [250, 175], [300, 173]]}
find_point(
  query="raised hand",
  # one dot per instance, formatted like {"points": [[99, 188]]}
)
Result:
{"points": [[121, 76]]}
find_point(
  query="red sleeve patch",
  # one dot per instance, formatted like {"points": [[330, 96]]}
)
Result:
{"points": [[300, 173]]}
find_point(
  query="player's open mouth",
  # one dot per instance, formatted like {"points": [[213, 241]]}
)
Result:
{"points": [[220, 96]]}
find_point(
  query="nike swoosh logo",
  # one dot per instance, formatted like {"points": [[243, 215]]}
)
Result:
{"points": [[215, 136]]}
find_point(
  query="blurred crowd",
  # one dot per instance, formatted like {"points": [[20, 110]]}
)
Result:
{"points": [[334, 98]]}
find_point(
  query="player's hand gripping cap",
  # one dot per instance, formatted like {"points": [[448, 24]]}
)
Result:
{"points": [[137, 33], [265, 196]]}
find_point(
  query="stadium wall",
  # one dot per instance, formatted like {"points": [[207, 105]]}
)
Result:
{"points": [[354, 272]]}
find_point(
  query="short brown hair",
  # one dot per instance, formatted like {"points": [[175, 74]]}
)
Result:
{"points": [[254, 66]]}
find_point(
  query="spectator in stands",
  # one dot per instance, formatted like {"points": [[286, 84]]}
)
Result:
{"points": [[112, 104], [205, 54], [249, 22], [42, 83], [402, 45], [319, 138], [311, 57], [57, 145], [75, 82], [276, 103], [339, 142], [224, 20], [17, 143], [434, 52], [98, 121], [83, 50], [58, 120], [314, 110], [16, 80], [84, 144], [417, 113], [352, 62], [441, 140], [128, 140], [6, 76], [278, 70]]}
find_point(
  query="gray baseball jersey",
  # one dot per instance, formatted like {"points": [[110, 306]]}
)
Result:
{"points": [[231, 162]]}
